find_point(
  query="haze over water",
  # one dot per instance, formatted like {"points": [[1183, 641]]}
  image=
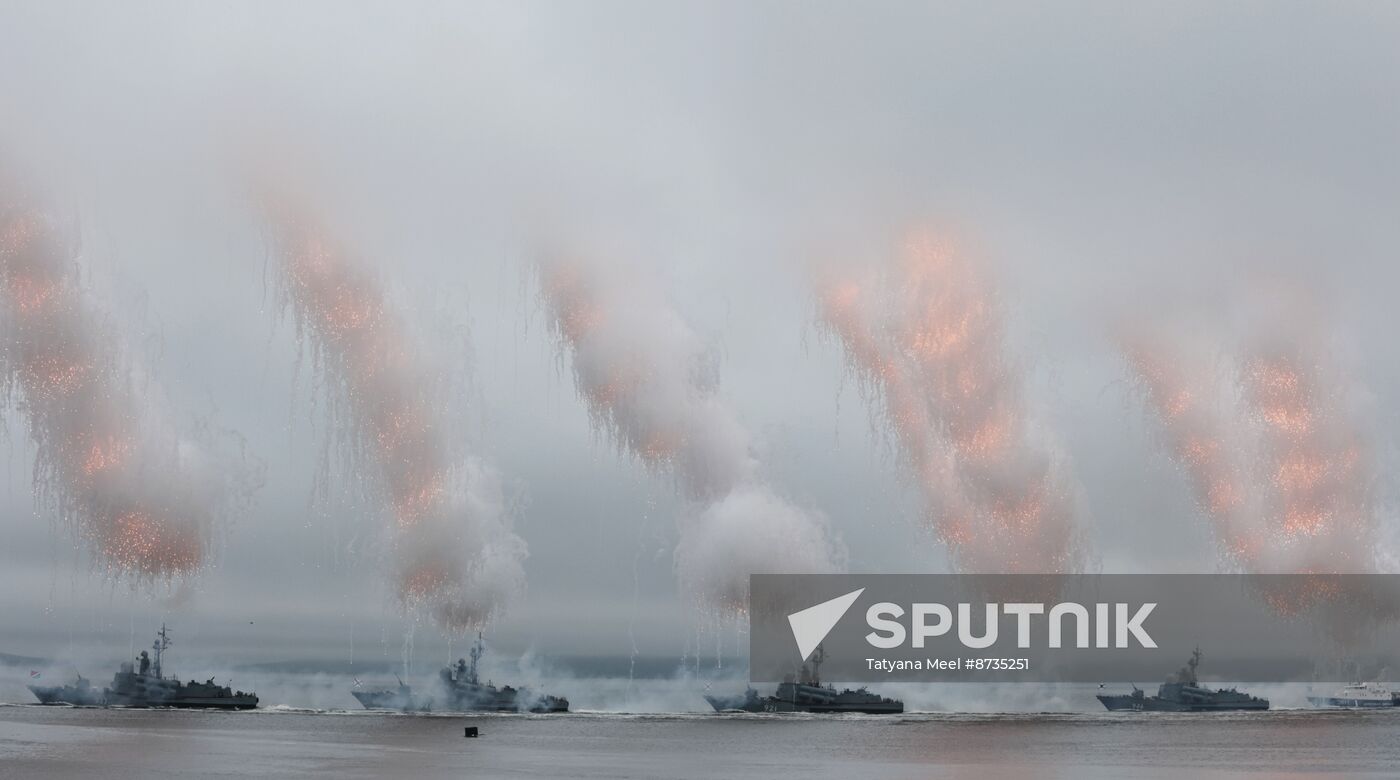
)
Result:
{"points": [[63, 743]]}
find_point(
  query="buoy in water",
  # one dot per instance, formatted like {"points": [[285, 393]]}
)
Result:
{"points": [[470, 732]]}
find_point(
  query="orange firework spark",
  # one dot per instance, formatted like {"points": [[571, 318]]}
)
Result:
{"points": [[105, 455], [428, 579], [29, 294], [135, 538], [53, 376], [925, 340]]}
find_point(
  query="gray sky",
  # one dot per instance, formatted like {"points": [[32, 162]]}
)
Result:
{"points": [[1108, 157]]}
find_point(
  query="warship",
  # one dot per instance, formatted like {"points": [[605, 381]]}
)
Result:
{"points": [[1359, 696], [461, 690], [1182, 693], [805, 693], [143, 685]]}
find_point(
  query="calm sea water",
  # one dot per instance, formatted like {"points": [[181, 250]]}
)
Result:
{"points": [[62, 742]]}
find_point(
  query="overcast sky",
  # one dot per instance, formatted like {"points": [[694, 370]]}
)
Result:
{"points": [[1106, 157]]}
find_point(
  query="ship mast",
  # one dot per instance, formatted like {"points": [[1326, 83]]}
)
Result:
{"points": [[475, 656], [813, 676], [162, 642]]}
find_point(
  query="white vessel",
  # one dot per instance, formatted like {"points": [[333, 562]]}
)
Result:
{"points": [[1359, 696]]}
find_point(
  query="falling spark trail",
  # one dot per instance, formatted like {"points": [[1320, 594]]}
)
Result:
{"points": [[1275, 458], [145, 497], [455, 552], [652, 389], [924, 338]]}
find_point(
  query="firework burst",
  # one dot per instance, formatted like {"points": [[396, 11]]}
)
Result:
{"points": [[924, 338], [455, 552], [144, 497], [1275, 455]]}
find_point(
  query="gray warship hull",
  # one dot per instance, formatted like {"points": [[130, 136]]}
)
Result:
{"points": [[497, 701], [486, 698], [808, 695], [133, 690], [871, 706], [1130, 702], [195, 703], [804, 692], [1183, 693]]}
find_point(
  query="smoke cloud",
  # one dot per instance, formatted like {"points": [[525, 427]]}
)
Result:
{"points": [[651, 386], [147, 497], [455, 553], [924, 337]]}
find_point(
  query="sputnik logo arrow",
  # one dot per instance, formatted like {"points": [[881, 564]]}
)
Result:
{"points": [[811, 625]]}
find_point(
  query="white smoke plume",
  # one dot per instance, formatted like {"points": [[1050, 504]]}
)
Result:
{"points": [[652, 388], [1267, 426], [148, 498], [924, 337], [455, 552]]}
